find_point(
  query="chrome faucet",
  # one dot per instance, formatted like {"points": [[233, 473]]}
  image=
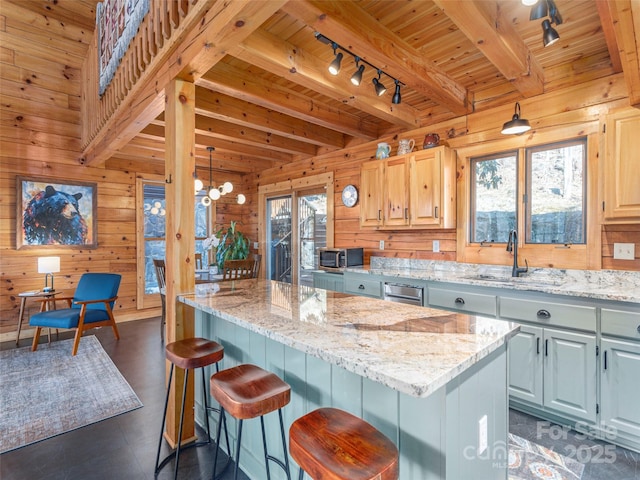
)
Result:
{"points": [[512, 246]]}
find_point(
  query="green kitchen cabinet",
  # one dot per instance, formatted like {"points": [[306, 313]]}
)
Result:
{"points": [[620, 377], [328, 281], [569, 374], [525, 365], [363, 284]]}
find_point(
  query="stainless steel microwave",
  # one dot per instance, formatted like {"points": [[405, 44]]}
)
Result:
{"points": [[339, 258]]}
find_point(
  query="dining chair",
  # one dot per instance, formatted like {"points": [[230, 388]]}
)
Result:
{"points": [[238, 269], [159, 265], [257, 259], [91, 306]]}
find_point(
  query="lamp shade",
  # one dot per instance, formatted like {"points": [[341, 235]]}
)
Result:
{"points": [[516, 125], [549, 34], [48, 264], [539, 10]]}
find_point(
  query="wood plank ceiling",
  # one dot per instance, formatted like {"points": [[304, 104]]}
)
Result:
{"points": [[271, 100]]}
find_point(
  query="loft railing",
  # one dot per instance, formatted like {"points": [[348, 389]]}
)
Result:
{"points": [[159, 27]]}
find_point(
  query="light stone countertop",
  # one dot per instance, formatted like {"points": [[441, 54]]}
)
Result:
{"points": [[615, 285], [414, 350]]}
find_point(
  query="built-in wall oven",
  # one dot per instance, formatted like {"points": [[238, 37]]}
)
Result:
{"points": [[404, 293]]}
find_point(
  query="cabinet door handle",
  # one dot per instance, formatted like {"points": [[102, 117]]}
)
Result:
{"points": [[435, 214], [379, 214], [546, 347], [543, 314], [638, 329], [361, 287], [459, 301], [605, 359], [406, 213], [537, 345]]}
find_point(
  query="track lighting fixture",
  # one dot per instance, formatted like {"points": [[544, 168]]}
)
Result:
{"points": [[380, 88], [517, 125], [549, 34], [396, 95], [334, 66], [356, 78], [542, 9]]}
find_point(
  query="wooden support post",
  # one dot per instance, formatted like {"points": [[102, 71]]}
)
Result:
{"points": [[180, 234]]}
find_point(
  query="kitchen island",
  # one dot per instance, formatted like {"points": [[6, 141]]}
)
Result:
{"points": [[435, 382]]}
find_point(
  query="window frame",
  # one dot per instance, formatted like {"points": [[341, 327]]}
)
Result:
{"points": [[582, 256]]}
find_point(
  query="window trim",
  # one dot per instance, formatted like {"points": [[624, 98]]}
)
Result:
{"points": [[586, 256]]}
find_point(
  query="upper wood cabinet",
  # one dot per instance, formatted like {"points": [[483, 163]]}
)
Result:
{"points": [[416, 190], [621, 166]]}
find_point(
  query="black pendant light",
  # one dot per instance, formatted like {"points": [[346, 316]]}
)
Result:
{"points": [[396, 96], [549, 34], [517, 125]]}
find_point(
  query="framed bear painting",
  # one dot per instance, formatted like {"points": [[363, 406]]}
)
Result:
{"points": [[55, 214]]}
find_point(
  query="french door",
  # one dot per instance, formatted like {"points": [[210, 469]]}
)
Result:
{"points": [[295, 227]]}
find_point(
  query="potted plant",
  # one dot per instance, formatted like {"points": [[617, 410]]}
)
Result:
{"points": [[229, 244]]}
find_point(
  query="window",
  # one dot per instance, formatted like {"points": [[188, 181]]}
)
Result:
{"points": [[493, 197], [151, 216], [553, 205], [556, 185]]}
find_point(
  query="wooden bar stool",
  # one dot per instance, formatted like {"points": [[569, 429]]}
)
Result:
{"points": [[189, 353], [331, 444], [248, 391]]}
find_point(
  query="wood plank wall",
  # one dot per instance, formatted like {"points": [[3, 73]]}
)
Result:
{"points": [[40, 136]]}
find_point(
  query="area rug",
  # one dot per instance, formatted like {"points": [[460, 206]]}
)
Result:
{"points": [[49, 392], [530, 461]]}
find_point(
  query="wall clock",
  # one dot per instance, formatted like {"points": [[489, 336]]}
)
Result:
{"points": [[349, 196]]}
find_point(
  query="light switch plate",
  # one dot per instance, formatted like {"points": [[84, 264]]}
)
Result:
{"points": [[624, 251], [436, 246], [256, 245], [381, 244]]}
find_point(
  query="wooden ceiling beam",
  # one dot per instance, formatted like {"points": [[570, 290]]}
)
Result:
{"points": [[226, 24], [237, 83], [624, 20], [155, 133], [349, 25], [485, 24], [609, 34], [289, 61], [232, 110]]}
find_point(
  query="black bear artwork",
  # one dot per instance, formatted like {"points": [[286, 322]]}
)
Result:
{"points": [[53, 218]]}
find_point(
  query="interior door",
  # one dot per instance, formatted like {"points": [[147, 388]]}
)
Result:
{"points": [[295, 229]]}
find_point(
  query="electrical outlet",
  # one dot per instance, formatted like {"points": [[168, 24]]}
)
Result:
{"points": [[381, 244], [256, 245], [436, 246], [624, 251], [482, 435]]}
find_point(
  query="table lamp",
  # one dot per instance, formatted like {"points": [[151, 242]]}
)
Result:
{"points": [[48, 266]]}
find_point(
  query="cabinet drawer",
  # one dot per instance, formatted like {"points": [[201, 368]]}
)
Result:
{"points": [[369, 288], [620, 323], [463, 301], [548, 313]]}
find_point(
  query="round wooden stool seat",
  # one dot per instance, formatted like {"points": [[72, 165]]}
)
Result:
{"points": [[331, 444], [247, 391], [194, 353]]}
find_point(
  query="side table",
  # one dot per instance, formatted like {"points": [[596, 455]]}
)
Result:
{"points": [[45, 305]]}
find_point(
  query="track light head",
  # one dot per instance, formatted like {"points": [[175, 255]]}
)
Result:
{"points": [[396, 99], [539, 10], [356, 78], [380, 88], [334, 66], [549, 34]]}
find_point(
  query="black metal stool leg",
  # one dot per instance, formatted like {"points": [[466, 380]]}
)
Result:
{"points": [[264, 446], [164, 419], [301, 474], [184, 396], [206, 406], [284, 445], [238, 443]]}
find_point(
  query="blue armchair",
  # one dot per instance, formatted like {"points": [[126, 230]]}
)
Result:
{"points": [[90, 307]]}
